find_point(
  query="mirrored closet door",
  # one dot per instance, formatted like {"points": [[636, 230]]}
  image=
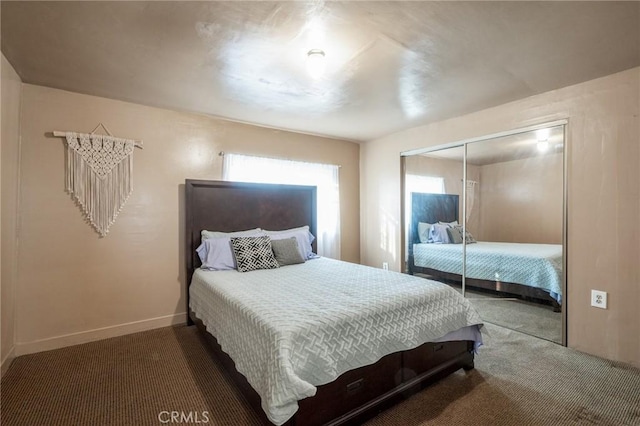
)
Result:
{"points": [[486, 217]]}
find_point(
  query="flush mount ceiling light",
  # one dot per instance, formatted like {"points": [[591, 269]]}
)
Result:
{"points": [[543, 134], [543, 146], [316, 64], [543, 139]]}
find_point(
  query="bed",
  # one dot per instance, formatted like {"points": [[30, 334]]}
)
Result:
{"points": [[529, 271], [343, 386]]}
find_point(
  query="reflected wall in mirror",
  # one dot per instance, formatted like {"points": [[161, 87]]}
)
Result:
{"points": [[494, 229]]}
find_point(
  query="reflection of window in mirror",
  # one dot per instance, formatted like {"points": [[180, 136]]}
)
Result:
{"points": [[419, 183]]}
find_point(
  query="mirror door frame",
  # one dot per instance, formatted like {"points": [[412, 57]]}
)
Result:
{"points": [[463, 143]]}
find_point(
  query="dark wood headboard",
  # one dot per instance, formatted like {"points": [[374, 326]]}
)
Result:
{"points": [[431, 208], [235, 206]]}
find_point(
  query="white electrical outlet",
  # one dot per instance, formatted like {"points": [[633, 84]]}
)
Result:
{"points": [[599, 299], [385, 266]]}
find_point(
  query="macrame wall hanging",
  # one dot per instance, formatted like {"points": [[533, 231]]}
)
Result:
{"points": [[99, 174]]}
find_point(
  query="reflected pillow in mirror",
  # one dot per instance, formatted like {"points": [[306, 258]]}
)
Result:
{"points": [[438, 234], [423, 231], [455, 235], [468, 237], [454, 223]]}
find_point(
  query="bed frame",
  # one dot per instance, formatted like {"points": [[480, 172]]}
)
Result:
{"points": [[434, 208], [357, 394]]}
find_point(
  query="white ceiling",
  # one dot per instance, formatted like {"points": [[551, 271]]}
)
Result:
{"points": [[390, 65], [510, 147]]}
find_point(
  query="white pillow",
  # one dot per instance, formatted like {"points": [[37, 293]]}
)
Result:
{"points": [[454, 223], [284, 231], [205, 235], [215, 251], [216, 254]]}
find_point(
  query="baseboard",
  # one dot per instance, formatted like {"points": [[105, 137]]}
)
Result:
{"points": [[57, 342], [6, 362]]}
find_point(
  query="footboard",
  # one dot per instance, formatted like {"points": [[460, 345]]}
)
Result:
{"points": [[364, 392]]}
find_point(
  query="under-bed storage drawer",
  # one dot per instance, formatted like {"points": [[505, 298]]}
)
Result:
{"points": [[430, 355], [352, 389]]}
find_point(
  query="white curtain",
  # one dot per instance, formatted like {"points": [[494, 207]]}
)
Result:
{"points": [[471, 196], [245, 168], [427, 184]]}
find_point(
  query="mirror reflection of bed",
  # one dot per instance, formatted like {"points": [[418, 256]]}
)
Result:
{"points": [[507, 259]]}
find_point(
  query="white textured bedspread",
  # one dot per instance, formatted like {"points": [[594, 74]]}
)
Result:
{"points": [[300, 326]]}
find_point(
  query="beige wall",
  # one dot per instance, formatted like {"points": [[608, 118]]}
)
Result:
{"points": [[603, 194], [11, 94], [75, 286], [521, 201]]}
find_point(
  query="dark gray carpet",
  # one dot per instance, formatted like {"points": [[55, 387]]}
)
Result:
{"points": [[523, 380], [535, 319], [527, 317], [130, 380]]}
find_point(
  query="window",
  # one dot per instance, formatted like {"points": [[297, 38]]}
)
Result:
{"points": [[245, 168]]}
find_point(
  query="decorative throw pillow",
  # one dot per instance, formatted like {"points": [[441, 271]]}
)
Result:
{"points": [[253, 253], [286, 251], [455, 235], [468, 237]]}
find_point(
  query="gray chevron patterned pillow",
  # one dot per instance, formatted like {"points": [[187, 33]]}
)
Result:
{"points": [[253, 253]]}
